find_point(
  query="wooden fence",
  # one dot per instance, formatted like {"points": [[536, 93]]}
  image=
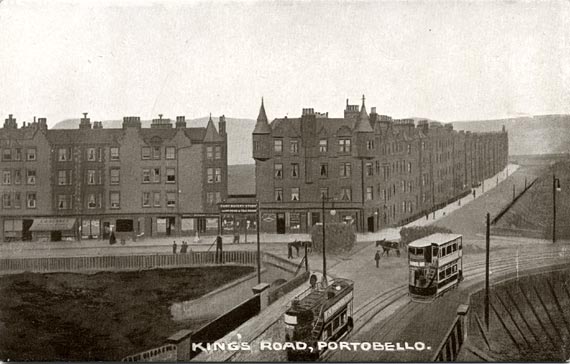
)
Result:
{"points": [[122, 262]]}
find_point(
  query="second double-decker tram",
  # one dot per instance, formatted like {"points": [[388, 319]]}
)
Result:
{"points": [[435, 265], [320, 314]]}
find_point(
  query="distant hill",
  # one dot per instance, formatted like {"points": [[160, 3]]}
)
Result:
{"points": [[540, 134], [239, 134]]}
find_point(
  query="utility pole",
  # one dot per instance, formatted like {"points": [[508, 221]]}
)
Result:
{"points": [[324, 249], [555, 187], [258, 245], [488, 243]]}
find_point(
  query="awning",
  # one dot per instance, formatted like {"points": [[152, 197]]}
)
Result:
{"points": [[52, 224]]}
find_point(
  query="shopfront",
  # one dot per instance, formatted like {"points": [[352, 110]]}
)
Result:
{"points": [[54, 229]]}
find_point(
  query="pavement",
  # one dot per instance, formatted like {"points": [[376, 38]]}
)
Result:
{"points": [[274, 243]]}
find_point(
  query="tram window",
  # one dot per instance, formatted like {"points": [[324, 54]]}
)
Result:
{"points": [[412, 251], [454, 269], [328, 331], [454, 247], [448, 249], [448, 271], [441, 275], [343, 318]]}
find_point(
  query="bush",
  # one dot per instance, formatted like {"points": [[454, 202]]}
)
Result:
{"points": [[409, 234], [340, 237]]}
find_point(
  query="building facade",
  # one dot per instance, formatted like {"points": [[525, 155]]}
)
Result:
{"points": [[138, 182], [371, 170]]}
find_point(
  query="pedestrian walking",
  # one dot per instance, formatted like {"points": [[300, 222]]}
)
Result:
{"points": [[289, 251], [174, 247], [184, 247], [377, 258], [112, 238]]}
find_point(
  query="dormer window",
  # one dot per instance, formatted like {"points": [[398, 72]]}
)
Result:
{"points": [[344, 145]]}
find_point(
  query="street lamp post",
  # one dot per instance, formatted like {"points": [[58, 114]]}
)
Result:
{"points": [[333, 212], [555, 187], [178, 149]]}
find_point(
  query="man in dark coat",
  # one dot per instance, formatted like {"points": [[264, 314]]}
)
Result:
{"points": [[174, 247], [377, 258]]}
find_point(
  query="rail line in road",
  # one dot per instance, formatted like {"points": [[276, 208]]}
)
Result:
{"points": [[388, 302]]}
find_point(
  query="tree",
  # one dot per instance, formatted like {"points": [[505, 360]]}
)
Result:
{"points": [[339, 237]]}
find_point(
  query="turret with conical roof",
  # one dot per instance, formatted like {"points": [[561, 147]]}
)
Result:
{"points": [[261, 136], [364, 134], [212, 135]]}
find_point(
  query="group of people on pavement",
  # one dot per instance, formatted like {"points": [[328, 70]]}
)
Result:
{"points": [[183, 247]]}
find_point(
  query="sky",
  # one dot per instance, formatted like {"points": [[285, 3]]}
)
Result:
{"points": [[446, 60]]}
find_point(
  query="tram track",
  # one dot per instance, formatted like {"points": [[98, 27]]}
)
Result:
{"points": [[472, 273], [389, 295], [384, 301]]}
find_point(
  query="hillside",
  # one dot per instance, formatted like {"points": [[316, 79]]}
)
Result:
{"points": [[239, 134], [543, 134], [241, 179], [532, 214]]}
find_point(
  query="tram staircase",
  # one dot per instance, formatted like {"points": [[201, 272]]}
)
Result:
{"points": [[318, 328]]}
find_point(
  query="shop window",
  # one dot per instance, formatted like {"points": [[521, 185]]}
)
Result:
{"points": [[124, 225]]}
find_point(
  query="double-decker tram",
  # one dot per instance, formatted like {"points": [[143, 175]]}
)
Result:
{"points": [[435, 264], [322, 313]]}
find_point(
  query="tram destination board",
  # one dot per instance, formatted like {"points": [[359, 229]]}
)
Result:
{"points": [[238, 208]]}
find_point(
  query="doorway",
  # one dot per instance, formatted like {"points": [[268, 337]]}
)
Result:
{"points": [[26, 233], [280, 223], [370, 224]]}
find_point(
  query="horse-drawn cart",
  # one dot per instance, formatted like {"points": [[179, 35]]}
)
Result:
{"points": [[388, 245]]}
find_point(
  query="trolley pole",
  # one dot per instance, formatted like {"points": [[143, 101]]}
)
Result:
{"points": [[258, 246], [488, 243]]}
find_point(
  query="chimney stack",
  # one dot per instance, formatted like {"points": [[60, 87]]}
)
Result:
{"points": [[85, 122], [180, 122], [222, 126]]}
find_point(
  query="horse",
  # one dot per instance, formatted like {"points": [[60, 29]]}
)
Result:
{"points": [[298, 244], [387, 246]]}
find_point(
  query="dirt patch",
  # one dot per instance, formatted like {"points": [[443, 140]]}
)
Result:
{"points": [[102, 316]]}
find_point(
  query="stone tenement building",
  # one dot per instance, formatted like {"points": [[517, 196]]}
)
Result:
{"points": [[372, 170], [85, 182]]}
